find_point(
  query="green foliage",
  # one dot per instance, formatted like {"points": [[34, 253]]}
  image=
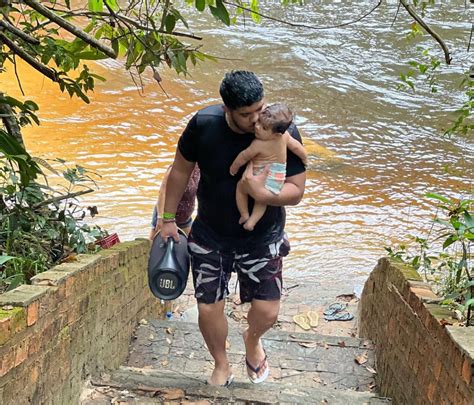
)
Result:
{"points": [[464, 123], [424, 70], [24, 112], [445, 251], [39, 225]]}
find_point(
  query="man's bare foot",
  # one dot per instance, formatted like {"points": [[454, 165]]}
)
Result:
{"points": [[221, 376], [256, 358], [243, 219]]}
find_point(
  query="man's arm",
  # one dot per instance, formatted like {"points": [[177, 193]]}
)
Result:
{"points": [[297, 149], [243, 157], [291, 193]]}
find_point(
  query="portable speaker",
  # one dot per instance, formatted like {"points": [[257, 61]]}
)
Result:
{"points": [[168, 267]]}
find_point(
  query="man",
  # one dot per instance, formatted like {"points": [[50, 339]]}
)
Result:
{"points": [[217, 243]]}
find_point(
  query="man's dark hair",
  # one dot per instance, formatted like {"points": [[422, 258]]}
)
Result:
{"points": [[276, 117], [240, 88]]}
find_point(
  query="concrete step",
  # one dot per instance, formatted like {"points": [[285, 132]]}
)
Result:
{"points": [[159, 386], [298, 359]]}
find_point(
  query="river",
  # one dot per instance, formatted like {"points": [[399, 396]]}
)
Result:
{"points": [[375, 150]]}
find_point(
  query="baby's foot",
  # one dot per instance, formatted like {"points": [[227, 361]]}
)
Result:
{"points": [[243, 219], [249, 226]]}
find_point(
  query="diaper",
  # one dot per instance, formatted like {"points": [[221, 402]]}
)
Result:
{"points": [[275, 178]]}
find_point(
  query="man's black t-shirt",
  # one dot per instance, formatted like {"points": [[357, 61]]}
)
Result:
{"points": [[209, 141]]}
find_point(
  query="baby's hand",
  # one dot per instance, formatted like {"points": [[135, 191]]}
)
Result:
{"points": [[233, 169]]}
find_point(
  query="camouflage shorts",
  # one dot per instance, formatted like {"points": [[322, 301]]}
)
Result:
{"points": [[259, 271]]}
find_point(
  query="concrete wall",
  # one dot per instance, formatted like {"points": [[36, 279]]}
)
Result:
{"points": [[419, 359], [75, 320]]}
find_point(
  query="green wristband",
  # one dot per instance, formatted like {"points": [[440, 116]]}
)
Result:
{"points": [[168, 215]]}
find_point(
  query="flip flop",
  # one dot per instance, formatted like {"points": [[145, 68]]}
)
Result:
{"points": [[340, 316], [266, 373], [229, 381], [334, 308], [264, 376], [302, 321], [313, 318]]}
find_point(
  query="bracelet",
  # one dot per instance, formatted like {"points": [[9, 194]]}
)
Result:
{"points": [[169, 221], [168, 215]]}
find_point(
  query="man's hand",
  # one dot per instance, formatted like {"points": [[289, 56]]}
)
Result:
{"points": [[290, 194], [255, 184], [169, 229], [154, 232]]}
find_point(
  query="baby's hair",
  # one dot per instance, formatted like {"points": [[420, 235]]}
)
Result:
{"points": [[276, 117]]}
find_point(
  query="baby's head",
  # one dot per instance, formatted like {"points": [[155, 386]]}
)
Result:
{"points": [[273, 121]]}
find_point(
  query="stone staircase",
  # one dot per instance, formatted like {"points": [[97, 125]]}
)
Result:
{"points": [[169, 363]]}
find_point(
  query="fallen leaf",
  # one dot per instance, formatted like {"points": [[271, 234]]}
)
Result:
{"points": [[69, 258], [143, 322], [168, 340], [346, 297], [191, 355], [146, 388], [318, 380], [308, 344], [362, 358], [370, 370], [323, 344], [371, 386], [169, 331], [341, 343], [237, 315], [151, 337], [172, 393], [164, 363], [236, 300], [444, 322]]}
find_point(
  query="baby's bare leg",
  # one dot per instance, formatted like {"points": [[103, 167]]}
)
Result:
{"points": [[257, 213], [241, 198]]}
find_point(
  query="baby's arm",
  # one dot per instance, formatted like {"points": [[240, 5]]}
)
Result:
{"points": [[297, 149], [243, 157]]}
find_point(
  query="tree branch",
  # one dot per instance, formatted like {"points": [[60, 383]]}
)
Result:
{"points": [[43, 69], [134, 23], [429, 30], [71, 28], [396, 14], [470, 38], [311, 27], [62, 197], [19, 33]]}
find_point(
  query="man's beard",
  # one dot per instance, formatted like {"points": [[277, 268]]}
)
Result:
{"points": [[244, 130]]}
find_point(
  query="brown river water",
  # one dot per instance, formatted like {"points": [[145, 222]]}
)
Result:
{"points": [[374, 150]]}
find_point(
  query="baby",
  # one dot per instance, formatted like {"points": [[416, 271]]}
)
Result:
{"points": [[268, 148]]}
